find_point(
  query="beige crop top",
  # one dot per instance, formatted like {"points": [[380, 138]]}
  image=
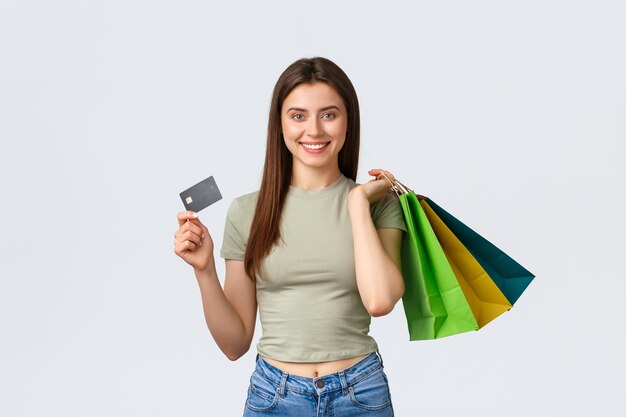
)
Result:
{"points": [[309, 304]]}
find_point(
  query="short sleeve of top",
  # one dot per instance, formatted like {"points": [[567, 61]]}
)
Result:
{"points": [[387, 212], [234, 243]]}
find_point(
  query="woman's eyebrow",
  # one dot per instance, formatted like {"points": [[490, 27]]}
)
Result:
{"points": [[332, 106]]}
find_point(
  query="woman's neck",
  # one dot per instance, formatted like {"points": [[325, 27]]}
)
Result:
{"points": [[310, 178]]}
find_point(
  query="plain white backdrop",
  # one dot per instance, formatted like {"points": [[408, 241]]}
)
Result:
{"points": [[511, 115]]}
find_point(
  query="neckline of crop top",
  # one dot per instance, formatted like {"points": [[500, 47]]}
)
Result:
{"points": [[321, 192]]}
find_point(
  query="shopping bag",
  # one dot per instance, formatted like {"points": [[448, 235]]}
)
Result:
{"points": [[417, 306], [434, 303], [455, 280]]}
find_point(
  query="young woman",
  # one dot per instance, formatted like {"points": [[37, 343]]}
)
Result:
{"points": [[318, 253]]}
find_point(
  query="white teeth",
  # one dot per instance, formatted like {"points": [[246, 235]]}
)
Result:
{"points": [[315, 146]]}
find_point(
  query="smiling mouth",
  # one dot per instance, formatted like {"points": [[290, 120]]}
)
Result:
{"points": [[315, 146]]}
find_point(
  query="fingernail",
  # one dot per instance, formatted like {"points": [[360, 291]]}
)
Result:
{"points": [[202, 235], [195, 215]]}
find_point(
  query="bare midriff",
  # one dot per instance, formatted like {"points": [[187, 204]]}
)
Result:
{"points": [[314, 369]]}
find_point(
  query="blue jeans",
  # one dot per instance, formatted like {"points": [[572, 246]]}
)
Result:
{"points": [[359, 390]]}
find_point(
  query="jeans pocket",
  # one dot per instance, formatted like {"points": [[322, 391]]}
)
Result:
{"points": [[372, 392], [262, 394]]}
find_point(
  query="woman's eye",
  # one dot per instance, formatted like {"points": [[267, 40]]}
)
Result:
{"points": [[297, 117], [329, 116]]}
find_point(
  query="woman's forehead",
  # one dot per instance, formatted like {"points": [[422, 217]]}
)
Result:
{"points": [[313, 96]]}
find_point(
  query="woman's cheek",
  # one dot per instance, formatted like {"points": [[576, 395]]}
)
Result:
{"points": [[292, 132]]}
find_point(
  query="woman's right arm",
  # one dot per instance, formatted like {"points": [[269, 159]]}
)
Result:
{"points": [[230, 314]]}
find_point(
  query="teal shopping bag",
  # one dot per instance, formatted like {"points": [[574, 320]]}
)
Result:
{"points": [[511, 277]]}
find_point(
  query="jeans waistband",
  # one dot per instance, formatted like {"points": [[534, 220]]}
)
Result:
{"points": [[339, 380]]}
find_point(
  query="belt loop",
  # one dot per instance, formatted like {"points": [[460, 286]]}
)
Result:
{"points": [[257, 358], [283, 382], [344, 383], [380, 357]]}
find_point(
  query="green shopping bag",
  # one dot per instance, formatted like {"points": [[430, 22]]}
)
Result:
{"points": [[434, 303], [417, 307]]}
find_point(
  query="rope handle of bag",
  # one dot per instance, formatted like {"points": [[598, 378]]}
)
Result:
{"points": [[397, 187]]}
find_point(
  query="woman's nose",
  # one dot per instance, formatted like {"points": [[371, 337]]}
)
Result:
{"points": [[314, 128]]}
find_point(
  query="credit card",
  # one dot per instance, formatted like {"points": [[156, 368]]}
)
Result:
{"points": [[201, 195]]}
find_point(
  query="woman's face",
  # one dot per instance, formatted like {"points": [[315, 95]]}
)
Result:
{"points": [[314, 121]]}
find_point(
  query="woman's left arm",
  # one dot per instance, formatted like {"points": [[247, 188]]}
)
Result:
{"points": [[376, 251]]}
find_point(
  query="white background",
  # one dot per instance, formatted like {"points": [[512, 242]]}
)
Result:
{"points": [[508, 114]]}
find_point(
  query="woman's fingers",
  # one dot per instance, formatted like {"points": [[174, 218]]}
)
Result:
{"points": [[182, 236], [192, 240], [380, 174], [182, 248], [188, 222], [376, 172], [184, 216], [192, 226], [191, 229], [190, 237]]}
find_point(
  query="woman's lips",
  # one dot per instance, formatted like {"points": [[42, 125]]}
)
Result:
{"points": [[315, 147]]}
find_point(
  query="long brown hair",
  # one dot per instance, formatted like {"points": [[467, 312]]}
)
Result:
{"points": [[265, 230]]}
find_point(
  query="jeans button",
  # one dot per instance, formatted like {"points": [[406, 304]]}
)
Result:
{"points": [[320, 383]]}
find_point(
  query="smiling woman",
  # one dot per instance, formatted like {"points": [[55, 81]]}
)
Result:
{"points": [[314, 123], [316, 252]]}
